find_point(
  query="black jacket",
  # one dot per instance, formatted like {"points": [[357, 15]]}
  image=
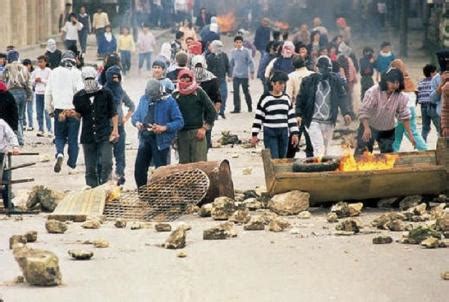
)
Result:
{"points": [[212, 89], [305, 101], [97, 124], [53, 58], [8, 110], [218, 64]]}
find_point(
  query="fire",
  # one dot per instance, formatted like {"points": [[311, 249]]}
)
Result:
{"points": [[226, 22], [367, 162]]}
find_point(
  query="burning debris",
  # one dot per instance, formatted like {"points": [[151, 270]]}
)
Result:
{"points": [[367, 162]]}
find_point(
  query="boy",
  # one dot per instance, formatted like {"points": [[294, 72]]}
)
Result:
{"points": [[428, 108], [277, 116], [241, 62], [39, 78], [8, 143], [384, 59], [145, 46], [125, 47], [158, 73]]}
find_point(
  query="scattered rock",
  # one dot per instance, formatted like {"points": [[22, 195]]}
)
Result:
{"points": [[419, 234], [304, 215], [419, 210], [240, 217], [162, 227], [278, 225], [31, 236], [177, 239], [267, 217], [39, 267], [386, 203], [443, 223], [295, 231], [355, 209], [227, 138], [100, 243], [221, 232], [19, 280], [222, 208], [343, 209], [381, 221], [205, 210], [409, 202], [136, 226], [252, 204], [437, 211], [332, 218], [255, 224], [48, 199], [235, 155], [382, 240], [92, 224], [192, 209], [290, 203], [55, 226], [181, 254], [185, 226], [250, 194], [80, 254], [16, 241], [344, 233], [445, 275], [348, 225], [395, 225], [247, 171], [430, 243], [120, 223]]}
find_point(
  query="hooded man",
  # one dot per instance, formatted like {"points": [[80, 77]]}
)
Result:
{"points": [[63, 83], [157, 119], [95, 105], [218, 63], [18, 80], [120, 97], [209, 82], [321, 96], [199, 115], [53, 54]]}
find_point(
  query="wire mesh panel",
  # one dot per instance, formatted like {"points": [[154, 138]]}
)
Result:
{"points": [[163, 200]]}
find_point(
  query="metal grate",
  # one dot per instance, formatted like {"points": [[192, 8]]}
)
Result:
{"points": [[163, 200]]}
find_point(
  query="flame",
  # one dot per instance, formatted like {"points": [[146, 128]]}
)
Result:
{"points": [[367, 162], [226, 22]]}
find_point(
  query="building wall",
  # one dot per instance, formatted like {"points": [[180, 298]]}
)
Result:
{"points": [[29, 22]]}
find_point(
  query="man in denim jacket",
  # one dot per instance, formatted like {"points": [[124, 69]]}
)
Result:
{"points": [[158, 119]]}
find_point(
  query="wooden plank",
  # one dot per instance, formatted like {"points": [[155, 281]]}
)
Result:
{"points": [[78, 206], [337, 186], [268, 169]]}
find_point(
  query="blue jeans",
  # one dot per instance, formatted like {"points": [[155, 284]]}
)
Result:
{"points": [[146, 56], [147, 153], [244, 82], [125, 58], [429, 114], [119, 152], [20, 97], [99, 33], [400, 131], [40, 111], [82, 35], [66, 132], [224, 94], [276, 139], [29, 113]]}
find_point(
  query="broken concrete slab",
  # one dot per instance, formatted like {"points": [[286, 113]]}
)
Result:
{"points": [[222, 208], [290, 203], [39, 267], [177, 239], [81, 254], [382, 240], [162, 227], [55, 227]]}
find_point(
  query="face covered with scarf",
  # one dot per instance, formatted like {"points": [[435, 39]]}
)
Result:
{"points": [[90, 83], [51, 45], [200, 69], [187, 84], [288, 49]]}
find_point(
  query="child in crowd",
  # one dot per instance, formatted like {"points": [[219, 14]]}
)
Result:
{"points": [[384, 59], [39, 78], [108, 43], [125, 47], [30, 102], [276, 114], [428, 108], [367, 70], [158, 72]]}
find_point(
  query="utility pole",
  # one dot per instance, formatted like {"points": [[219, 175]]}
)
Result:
{"points": [[403, 28]]}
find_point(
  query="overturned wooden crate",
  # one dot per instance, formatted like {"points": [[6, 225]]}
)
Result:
{"points": [[413, 173]]}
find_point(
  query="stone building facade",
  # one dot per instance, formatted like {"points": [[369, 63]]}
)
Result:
{"points": [[29, 22]]}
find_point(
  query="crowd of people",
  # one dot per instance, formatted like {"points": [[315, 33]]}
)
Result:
{"points": [[308, 79]]}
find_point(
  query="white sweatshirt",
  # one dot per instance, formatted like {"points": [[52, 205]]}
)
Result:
{"points": [[62, 85], [43, 74]]}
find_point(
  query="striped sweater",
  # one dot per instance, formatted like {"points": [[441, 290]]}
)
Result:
{"points": [[275, 112]]}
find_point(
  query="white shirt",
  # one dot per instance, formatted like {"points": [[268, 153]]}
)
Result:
{"points": [[8, 138], [71, 31], [43, 74], [62, 85]]}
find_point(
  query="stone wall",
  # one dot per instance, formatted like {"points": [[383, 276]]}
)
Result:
{"points": [[29, 22]]}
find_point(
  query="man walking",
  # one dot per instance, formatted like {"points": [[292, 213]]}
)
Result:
{"points": [[241, 65], [218, 64]]}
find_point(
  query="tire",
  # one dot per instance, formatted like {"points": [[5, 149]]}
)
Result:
{"points": [[310, 165]]}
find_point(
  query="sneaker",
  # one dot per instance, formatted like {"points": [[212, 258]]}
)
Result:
{"points": [[40, 134], [58, 163], [73, 171]]}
